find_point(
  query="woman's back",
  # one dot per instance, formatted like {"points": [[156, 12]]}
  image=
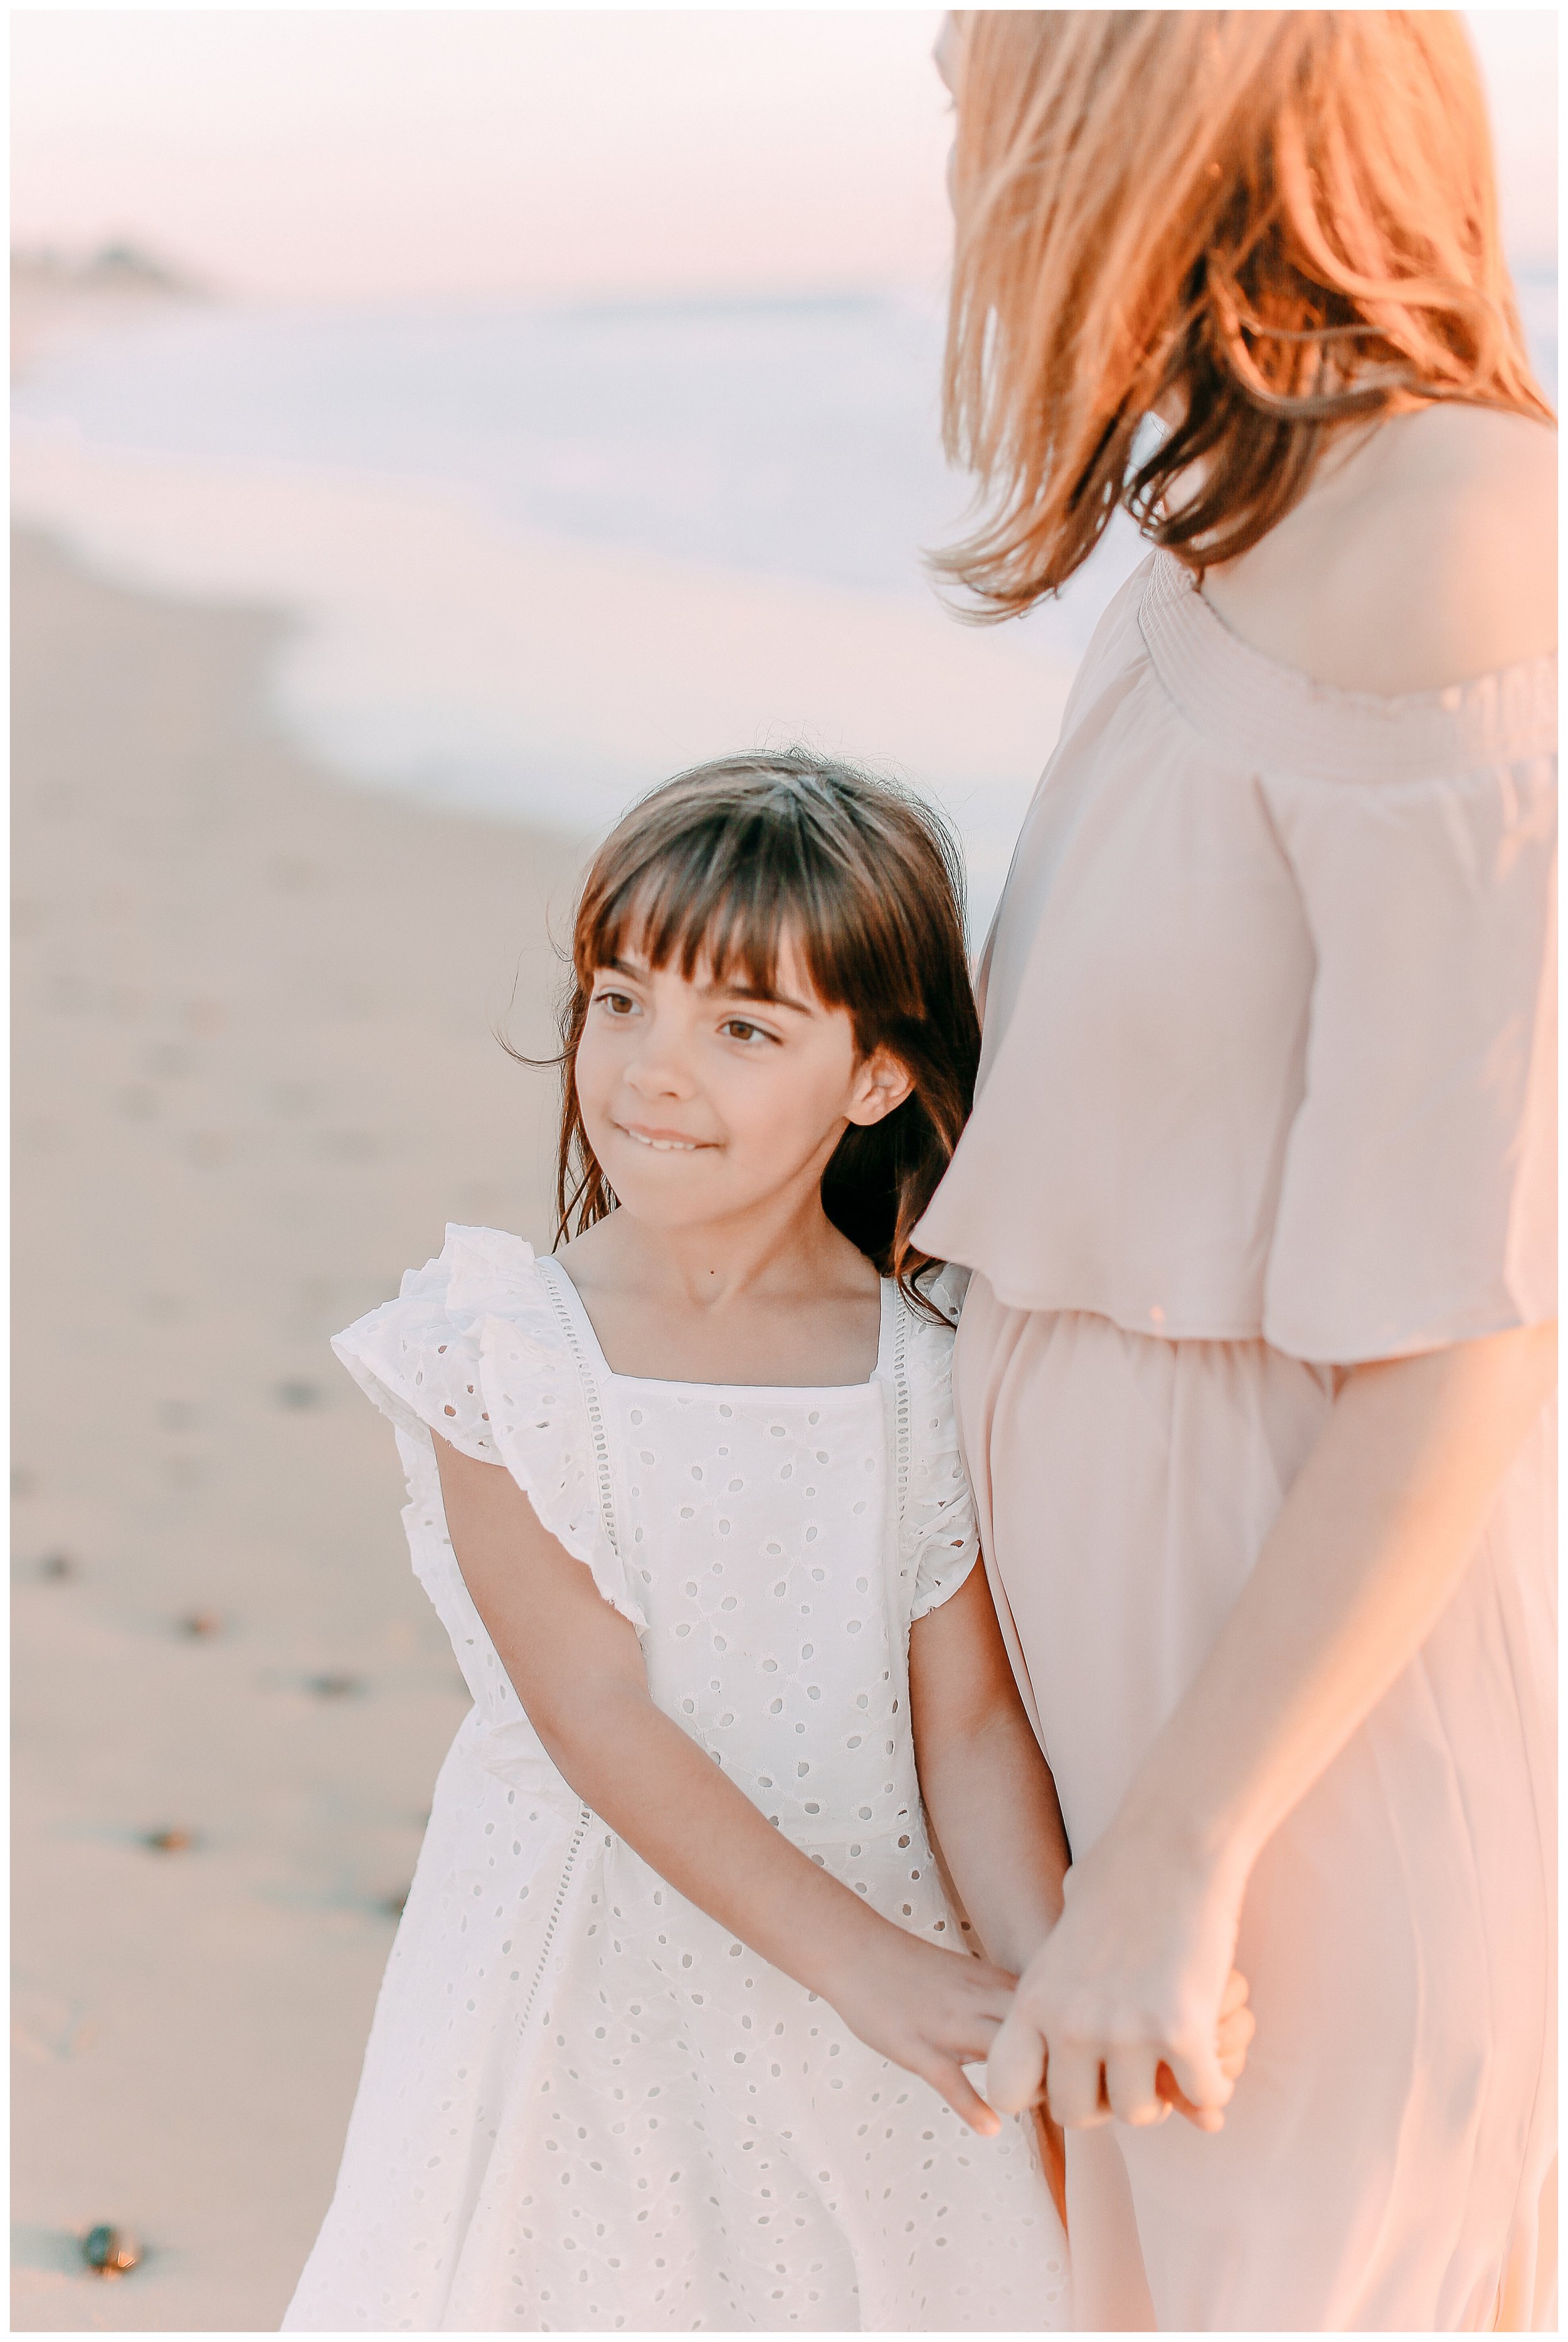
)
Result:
{"points": [[1425, 555]]}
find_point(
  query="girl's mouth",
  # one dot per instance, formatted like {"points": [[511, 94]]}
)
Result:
{"points": [[662, 1142]]}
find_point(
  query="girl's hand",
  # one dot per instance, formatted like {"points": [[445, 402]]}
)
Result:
{"points": [[1133, 1979], [1237, 2026], [932, 2011], [1051, 2142]]}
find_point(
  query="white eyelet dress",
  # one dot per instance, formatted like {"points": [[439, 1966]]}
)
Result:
{"points": [[585, 2106]]}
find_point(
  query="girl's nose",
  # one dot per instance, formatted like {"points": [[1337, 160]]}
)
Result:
{"points": [[656, 1072]]}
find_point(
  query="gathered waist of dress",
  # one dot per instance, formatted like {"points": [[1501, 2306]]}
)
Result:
{"points": [[991, 1319]]}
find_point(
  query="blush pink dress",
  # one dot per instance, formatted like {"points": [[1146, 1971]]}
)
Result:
{"points": [[1267, 1090]]}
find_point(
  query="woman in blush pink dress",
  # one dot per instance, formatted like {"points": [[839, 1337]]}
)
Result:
{"points": [[1253, 1374]]}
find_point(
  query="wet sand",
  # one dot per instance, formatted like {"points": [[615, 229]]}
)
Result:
{"points": [[254, 1075]]}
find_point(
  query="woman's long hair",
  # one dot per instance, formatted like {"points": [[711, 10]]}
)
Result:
{"points": [[1279, 222], [718, 866]]}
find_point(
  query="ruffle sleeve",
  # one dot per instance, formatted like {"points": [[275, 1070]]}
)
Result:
{"points": [[473, 1347], [1418, 1190], [940, 1535]]}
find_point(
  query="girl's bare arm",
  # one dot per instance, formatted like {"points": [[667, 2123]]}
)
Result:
{"points": [[986, 1787], [578, 1668]]}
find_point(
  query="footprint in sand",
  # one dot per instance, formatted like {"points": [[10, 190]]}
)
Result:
{"points": [[337, 1685]]}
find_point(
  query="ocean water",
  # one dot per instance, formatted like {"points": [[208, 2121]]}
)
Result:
{"points": [[537, 557]]}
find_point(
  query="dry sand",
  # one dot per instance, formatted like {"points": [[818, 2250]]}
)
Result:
{"points": [[254, 1076]]}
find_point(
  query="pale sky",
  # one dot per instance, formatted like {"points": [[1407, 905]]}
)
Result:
{"points": [[365, 154]]}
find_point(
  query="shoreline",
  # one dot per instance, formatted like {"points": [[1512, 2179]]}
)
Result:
{"points": [[254, 1075], [525, 649], [443, 657]]}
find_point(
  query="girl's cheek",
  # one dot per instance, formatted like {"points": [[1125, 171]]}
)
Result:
{"points": [[594, 1072], [780, 1116]]}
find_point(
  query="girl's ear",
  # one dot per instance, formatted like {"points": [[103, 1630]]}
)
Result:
{"points": [[881, 1082]]}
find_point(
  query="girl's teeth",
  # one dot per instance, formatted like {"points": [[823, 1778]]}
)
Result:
{"points": [[665, 1145]]}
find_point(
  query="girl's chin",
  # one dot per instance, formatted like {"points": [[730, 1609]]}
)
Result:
{"points": [[668, 1188], [673, 1215], [670, 1191]]}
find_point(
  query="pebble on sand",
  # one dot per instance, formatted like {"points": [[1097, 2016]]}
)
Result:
{"points": [[171, 1841], [110, 2251]]}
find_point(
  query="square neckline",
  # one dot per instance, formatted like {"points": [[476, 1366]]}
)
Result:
{"points": [[577, 1308]]}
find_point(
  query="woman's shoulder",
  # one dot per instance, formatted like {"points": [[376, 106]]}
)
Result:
{"points": [[1423, 557]]}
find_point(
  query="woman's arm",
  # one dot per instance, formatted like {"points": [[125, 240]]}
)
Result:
{"points": [[577, 1668], [992, 1806], [1366, 1551]]}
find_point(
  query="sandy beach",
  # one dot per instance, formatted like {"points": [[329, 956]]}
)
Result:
{"points": [[254, 1074]]}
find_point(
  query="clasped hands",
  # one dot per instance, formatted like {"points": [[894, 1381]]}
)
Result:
{"points": [[1131, 2008]]}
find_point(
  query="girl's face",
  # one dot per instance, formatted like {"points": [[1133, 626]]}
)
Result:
{"points": [[703, 1100]]}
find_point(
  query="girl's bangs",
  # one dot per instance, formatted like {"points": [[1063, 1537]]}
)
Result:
{"points": [[723, 907]]}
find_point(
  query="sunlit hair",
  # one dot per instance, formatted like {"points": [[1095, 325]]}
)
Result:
{"points": [[716, 868], [1283, 221]]}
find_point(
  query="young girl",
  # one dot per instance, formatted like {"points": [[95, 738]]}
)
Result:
{"points": [[674, 2031]]}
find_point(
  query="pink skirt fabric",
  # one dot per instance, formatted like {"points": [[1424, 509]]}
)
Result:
{"points": [[1386, 2162]]}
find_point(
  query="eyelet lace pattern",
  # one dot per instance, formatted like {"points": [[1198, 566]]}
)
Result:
{"points": [[584, 2106]]}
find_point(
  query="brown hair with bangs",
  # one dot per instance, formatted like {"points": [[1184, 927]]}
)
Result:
{"points": [[717, 866], [1273, 223]]}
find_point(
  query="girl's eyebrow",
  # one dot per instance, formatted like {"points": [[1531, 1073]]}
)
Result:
{"points": [[758, 991]]}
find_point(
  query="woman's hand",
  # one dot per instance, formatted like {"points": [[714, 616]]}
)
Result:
{"points": [[1136, 1976], [1237, 2026], [932, 2011]]}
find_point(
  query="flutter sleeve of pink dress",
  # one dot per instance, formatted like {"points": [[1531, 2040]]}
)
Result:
{"points": [[1267, 1091]]}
